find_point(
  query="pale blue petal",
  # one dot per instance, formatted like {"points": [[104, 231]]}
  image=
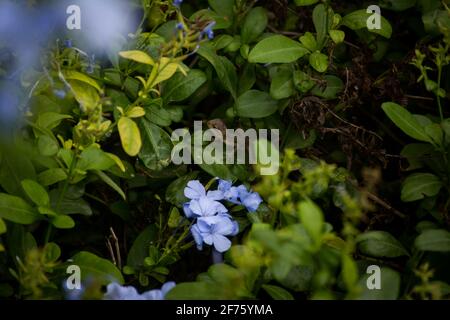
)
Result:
{"points": [[252, 201], [221, 243], [167, 287], [223, 226], [197, 236], [155, 294], [187, 210], [115, 291], [215, 195], [194, 190]]}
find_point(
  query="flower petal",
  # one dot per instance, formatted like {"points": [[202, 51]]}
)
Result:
{"points": [[194, 190], [221, 243]]}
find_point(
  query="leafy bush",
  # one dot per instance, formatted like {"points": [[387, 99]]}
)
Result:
{"points": [[87, 181]]}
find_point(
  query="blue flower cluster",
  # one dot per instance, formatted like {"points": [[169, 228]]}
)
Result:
{"points": [[115, 291], [213, 223]]}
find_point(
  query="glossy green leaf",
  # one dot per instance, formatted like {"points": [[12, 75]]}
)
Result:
{"points": [[98, 268], [357, 20], [380, 244], [277, 49], [318, 61], [17, 210], [433, 240], [255, 104], [254, 24], [36, 192], [157, 146], [181, 87], [419, 185], [405, 121]]}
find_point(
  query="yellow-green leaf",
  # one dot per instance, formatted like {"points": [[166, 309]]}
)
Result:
{"points": [[85, 94], [129, 136], [138, 56], [136, 112], [118, 161], [75, 75], [166, 70]]}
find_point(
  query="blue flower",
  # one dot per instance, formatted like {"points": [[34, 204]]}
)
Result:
{"points": [[202, 204], [250, 200], [213, 231], [195, 190], [179, 26], [115, 291], [177, 3], [229, 192], [205, 207], [209, 30]]}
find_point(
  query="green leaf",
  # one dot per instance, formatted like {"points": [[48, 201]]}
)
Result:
{"points": [[166, 70], [157, 146], [93, 158], [282, 85], [47, 146], [137, 56], [303, 81], [17, 210], [225, 70], [51, 176], [181, 87], [63, 222], [110, 182], [323, 20], [75, 75], [255, 104], [277, 293], [405, 121], [338, 36], [130, 136], [349, 271], [309, 41], [14, 168], [419, 185], [36, 192], [318, 61], [156, 113], [276, 49], [139, 250], [433, 240], [100, 269], [390, 286], [86, 95], [312, 219], [254, 24], [380, 244], [223, 7], [357, 20], [50, 120], [305, 2], [52, 252]]}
